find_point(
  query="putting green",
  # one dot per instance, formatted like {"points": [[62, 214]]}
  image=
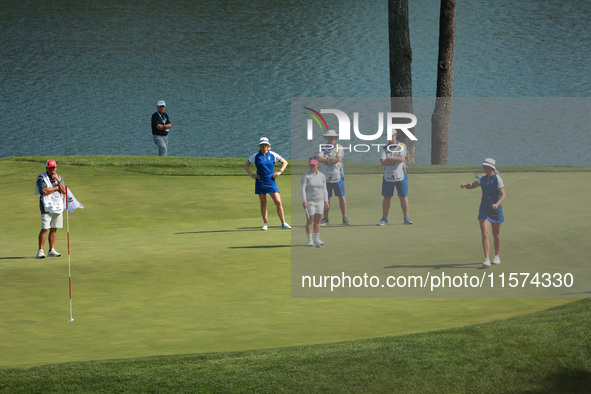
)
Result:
{"points": [[177, 264], [544, 237]]}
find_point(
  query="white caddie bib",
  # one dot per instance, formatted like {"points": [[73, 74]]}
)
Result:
{"points": [[332, 172], [395, 172], [54, 202]]}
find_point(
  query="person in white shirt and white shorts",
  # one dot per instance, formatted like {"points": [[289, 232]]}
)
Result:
{"points": [[315, 201]]}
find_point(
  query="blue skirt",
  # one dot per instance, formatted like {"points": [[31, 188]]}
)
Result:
{"points": [[265, 185], [492, 215]]}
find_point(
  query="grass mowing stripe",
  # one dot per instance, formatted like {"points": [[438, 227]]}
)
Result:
{"points": [[548, 351]]}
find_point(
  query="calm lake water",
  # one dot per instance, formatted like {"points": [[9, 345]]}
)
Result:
{"points": [[82, 77]]}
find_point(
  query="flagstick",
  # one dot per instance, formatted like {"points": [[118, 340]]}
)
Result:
{"points": [[69, 267]]}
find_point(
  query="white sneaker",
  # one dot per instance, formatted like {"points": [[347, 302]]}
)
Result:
{"points": [[40, 254], [285, 226], [496, 260], [486, 263], [383, 222], [318, 242], [265, 227], [54, 253], [310, 242]]}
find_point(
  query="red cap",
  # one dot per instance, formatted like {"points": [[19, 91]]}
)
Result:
{"points": [[313, 161], [50, 163]]}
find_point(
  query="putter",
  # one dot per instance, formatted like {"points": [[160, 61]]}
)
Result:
{"points": [[307, 216]]}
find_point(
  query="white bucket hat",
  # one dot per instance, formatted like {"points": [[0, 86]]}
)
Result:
{"points": [[331, 133], [264, 140], [490, 163]]}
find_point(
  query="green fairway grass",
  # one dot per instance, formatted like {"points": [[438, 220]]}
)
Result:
{"points": [[166, 262], [545, 352]]}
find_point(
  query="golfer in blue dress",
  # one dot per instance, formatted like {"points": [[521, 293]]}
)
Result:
{"points": [[265, 160], [491, 210]]}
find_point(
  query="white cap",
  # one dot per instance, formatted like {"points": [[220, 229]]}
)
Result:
{"points": [[490, 163], [331, 133], [264, 140], [161, 103]]}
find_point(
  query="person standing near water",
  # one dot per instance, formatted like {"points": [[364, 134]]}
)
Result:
{"points": [[330, 158], [393, 160], [314, 201], [491, 210], [50, 187], [265, 160], [160, 127]]}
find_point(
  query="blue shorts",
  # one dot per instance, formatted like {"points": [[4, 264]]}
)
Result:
{"points": [[401, 187], [338, 187]]}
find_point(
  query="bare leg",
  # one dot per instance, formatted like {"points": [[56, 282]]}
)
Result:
{"points": [[263, 199], [327, 209], [277, 200], [404, 205], [386, 206], [317, 218], [343, 205], [309, 224], [496, 229], [52, 237], [484, 231], [42, 238]]}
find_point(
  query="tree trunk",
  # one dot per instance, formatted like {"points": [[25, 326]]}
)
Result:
{"points": [[441, 117], [400, 66]]}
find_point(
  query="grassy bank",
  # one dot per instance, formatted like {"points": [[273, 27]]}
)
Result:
{"points": [[545, 352], [211, 166]]}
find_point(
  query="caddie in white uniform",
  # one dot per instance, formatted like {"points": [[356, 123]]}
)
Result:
{"points": [[393, 159], [50, 186], [331, 165]]}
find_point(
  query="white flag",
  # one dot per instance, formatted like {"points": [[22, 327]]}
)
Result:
{"points": [[73, 204]]}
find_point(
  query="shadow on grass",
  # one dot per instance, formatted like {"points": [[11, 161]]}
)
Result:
{"points": [[579, 293], [261, 246], [239, 229], [567, 380], [339, 225], [343, 226], [16, 258], [435, 267]]}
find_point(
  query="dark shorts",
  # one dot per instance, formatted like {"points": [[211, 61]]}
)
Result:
{"points": [[401, 187], [338, 187]]}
